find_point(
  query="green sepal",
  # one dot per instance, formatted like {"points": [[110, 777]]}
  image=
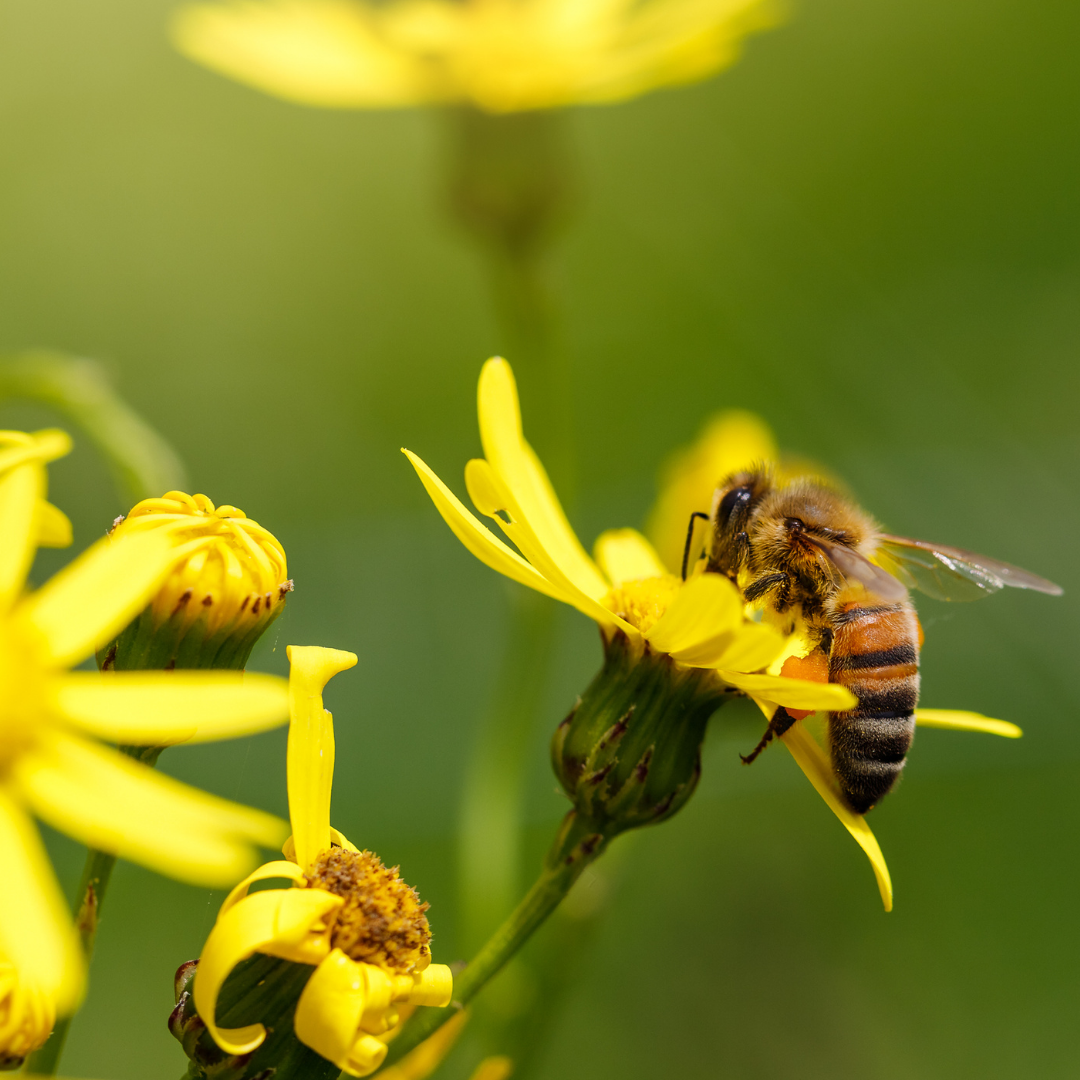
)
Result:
{"points": [[147, 644], [264, 990], [629, 753]]}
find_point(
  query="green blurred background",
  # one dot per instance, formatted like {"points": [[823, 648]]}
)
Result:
{"points": [[868, 231]]}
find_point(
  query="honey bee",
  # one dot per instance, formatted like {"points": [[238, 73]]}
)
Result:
{"points": [[805, 551]]}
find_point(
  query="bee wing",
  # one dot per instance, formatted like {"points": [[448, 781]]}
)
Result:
{"points": [[947, 573], [856, 567]]}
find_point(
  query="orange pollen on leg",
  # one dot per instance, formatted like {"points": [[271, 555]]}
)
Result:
{"points": [[812, 668]]}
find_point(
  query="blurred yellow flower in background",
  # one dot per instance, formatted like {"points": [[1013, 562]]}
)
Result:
{"points": [[360, 926], [51, 764], [497, 55]]}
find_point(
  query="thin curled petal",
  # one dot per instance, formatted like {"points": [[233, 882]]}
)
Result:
{"points": [[625, 555], [160, 708], [290, 923], [812, 760], [480, 541], [960, 720], [98, 594], [36, 934], [310, 756], [749, 647], [329, 1012], [705, 607], [520, 470], [115, 804], [793, 693], [280, 869], [494, 498]]}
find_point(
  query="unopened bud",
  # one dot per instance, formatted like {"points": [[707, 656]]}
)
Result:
{"points": [[219, 599]]}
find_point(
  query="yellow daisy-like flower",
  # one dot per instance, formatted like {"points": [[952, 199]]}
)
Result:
{"points": [[498, 55], [698, 624], [51, 764], [216, 603], [360, 927]]}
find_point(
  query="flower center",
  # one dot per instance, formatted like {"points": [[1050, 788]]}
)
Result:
{"points": [[382, 921], [642, 602]]}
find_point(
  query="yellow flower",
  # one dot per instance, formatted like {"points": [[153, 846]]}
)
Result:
{"points": [[699, 623], [356, 922], [216, 603], [51, 764], [659, 629], [732, 441], [498, 55], [27, 1017]]}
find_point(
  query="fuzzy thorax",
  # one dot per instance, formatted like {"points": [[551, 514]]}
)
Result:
{"points": [[383, 920]]}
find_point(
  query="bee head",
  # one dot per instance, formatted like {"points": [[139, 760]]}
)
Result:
{"points": [[734, 502]]}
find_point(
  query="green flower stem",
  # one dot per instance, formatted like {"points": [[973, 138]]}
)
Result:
{"points": [[143, 464], [93, 887], [578, 843]]}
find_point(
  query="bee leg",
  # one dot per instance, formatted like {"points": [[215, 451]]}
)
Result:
{"points": [[780, 722], [690, 539], [766, 584]]}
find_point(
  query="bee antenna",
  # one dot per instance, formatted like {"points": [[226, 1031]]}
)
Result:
{"points": [[690, 539]]}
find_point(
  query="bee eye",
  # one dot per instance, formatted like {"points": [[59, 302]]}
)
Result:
{"points": [[795, 524], [736, 499]]}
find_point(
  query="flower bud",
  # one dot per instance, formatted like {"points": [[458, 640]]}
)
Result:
{"points": [[219, 599], [629, 753]]}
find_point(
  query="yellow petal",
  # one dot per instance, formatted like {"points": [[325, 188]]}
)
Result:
{"points": [[793, 693], [494, 498], [329, 1013], [284, 922], [499, 1067], [625, 555], [310, 758], [160, 708], [21, 489], [36, 934], [289, 871], [815, 764], [706, 606], [751, 647], [520, 470], [99, 594], [317, 52], [53, 526], [959, 720], [487, 547], [114, 804], [421, 1062]]}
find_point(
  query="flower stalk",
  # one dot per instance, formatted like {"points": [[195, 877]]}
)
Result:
{"points": [[579, 842]]}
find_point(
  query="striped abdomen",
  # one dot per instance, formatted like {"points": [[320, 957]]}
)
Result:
{"points": [[875, 654]]}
